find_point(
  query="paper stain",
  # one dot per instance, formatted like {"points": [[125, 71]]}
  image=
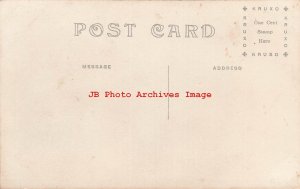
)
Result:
{"points": [[234, 33], [158, 16], [227, 53], [60, 83], [285, 121]]}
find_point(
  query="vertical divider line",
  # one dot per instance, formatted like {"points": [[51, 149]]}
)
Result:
{"points": [[168, 92]]}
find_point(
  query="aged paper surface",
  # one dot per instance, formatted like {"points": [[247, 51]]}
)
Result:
{"points": [[150, 94]]}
